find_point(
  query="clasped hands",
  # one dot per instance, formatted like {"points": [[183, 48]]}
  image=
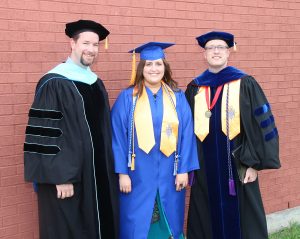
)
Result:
{"points": [[181, 181]]}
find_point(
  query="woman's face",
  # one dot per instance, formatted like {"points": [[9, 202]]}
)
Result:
{"points": [[153, 73]]}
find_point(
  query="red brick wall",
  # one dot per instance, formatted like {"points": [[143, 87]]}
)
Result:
{"points": [[32, 42]]}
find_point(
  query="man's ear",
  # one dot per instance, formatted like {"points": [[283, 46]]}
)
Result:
{"points": [[204, 55], [228, 52], [72, 43]]}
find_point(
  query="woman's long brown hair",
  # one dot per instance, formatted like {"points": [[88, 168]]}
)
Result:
{"points": [[167, 78]]}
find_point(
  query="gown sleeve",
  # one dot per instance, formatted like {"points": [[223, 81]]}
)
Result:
{"points": [[188, 148], [57, 139], [260, 140], [120, 119], [190, 94]]}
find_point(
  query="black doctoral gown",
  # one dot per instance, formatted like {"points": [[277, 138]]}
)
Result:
{"points": [[68, 140], [213, 213]]}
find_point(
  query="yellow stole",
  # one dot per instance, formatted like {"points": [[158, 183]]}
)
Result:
{"points": [[144, 125], [201, 127]]}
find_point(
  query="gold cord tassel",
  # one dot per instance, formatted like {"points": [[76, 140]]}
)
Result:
{"points": [[132, 162], [133, 70], [106, 43], [234, 46]]}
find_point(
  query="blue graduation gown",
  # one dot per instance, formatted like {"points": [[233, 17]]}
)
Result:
{"points": [[154, 171]]}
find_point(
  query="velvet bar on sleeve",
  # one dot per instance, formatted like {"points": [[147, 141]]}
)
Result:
{"points": [[56, 159], [260, 141]]}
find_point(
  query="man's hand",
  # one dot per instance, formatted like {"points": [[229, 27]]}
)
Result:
{"points": [[65, 190], [251, 175], [125, 183]]}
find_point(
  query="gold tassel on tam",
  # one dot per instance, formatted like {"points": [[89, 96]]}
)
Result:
{"points": [[234, 46], [133, 69], [106, 43]]}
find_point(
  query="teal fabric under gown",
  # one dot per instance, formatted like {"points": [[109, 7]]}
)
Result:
{"points": [[160, 228]]}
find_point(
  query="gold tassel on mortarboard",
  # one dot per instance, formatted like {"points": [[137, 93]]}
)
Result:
{"points": [[106, 43], [133, 70]]}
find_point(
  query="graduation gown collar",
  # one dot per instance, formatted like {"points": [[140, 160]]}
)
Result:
{"points": [[228, 74], [157, 94], [73, 72]]}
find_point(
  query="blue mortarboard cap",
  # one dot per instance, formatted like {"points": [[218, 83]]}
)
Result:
{"points": [[152, 50], [225, 36]]}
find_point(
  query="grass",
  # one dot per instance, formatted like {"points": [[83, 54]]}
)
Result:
{"points": [[291, 232]]}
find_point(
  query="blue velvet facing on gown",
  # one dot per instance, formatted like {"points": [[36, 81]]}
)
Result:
{"points": [[224, 207]]}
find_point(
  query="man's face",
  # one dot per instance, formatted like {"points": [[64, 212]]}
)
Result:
{"points": [[85, 49], [217, 54]]}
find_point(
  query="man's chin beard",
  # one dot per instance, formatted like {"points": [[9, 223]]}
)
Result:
{"points": [[84, 63]]}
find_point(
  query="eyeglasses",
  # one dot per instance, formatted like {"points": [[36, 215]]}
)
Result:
{"points": [[219, 48]]}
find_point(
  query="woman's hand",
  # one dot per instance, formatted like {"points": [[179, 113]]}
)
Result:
{"points": [[251, 175], [125, 183], [181, 181]]}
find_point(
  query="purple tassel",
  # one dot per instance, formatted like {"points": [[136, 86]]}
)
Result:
{"points": [[231, 187], [191, 178]]}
